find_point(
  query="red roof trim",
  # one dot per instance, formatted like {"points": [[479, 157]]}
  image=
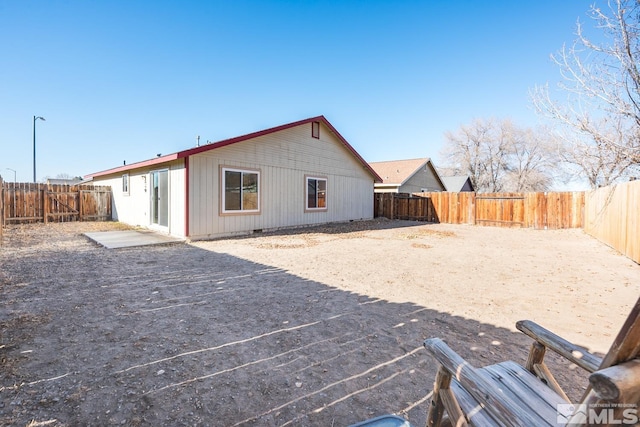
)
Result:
{"points": [[223, 143], [142, 164], [353, 151], [241, 138]]}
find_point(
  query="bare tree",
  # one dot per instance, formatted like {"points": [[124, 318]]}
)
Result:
{"points": [[531, 161], [498, 156], [599, 116], [475, 150], [591, 156]]}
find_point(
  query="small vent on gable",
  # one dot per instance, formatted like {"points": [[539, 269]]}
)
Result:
{"points": [[315, 129]]}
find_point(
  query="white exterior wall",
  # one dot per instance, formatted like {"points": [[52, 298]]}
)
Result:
{"points": [[177, 198], [134, 208], [283, 158]]}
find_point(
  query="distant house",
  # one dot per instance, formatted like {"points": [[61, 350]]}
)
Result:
{"points": [[407, 176], [458, 184], [297, 174], [63, 181]]}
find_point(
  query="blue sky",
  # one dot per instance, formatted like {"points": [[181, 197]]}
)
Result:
{"points": [[126, 80]]}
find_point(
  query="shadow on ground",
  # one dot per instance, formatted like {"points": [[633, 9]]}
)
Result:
{"points": [[177, 335]]}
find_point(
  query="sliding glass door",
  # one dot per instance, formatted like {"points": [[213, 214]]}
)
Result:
{"points": [[160, 198]]}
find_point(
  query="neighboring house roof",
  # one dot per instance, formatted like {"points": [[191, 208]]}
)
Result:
{"points": [[456, 183], [397, 172], [224, 143], [63, 181]]}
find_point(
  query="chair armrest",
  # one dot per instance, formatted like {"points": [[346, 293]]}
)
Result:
{"points": [[448, 358], [575, 354]]}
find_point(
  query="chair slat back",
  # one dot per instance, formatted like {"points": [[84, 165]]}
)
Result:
{"points": [[626, 346]]}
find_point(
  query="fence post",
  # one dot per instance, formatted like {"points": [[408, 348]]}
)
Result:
{"points": [[393, 206], [475, 209], [45, 206], [80, 204]]}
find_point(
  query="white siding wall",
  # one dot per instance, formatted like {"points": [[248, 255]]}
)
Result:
{"points": [[177, 197], [134, 208], [283, 159]]}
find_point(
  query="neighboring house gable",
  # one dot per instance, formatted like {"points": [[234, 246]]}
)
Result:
{"points": [[458, 184], [301, 173], [407, 176]]}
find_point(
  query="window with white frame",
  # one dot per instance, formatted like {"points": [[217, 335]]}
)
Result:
{"points": [[316, 193], [240, 191], [125, 184]]}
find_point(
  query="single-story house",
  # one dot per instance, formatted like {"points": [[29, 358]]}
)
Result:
{"points": [[298, 174], [407, 176], [458, 184]]}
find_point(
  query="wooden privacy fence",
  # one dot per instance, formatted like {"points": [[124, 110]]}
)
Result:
{"points": [[541, 211], [453, 208], [531, 210], [27, 202], [612, 215], [404, 206]]}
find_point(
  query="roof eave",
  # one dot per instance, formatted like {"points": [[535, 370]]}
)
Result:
{"points": [[257, 134], [367, 166], [223, 143], [137, 165], [437, 175]]}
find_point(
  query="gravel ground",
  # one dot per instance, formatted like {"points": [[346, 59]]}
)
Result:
{"points": [[319, 326]]}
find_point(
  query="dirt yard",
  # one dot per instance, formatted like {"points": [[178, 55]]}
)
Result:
{"points": [[316, 327]]}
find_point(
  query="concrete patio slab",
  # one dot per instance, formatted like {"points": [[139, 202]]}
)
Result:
{"points": [[130, 238]]}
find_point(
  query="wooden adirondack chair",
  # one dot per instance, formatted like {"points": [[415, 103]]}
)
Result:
{"points": [[512, 395]]}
